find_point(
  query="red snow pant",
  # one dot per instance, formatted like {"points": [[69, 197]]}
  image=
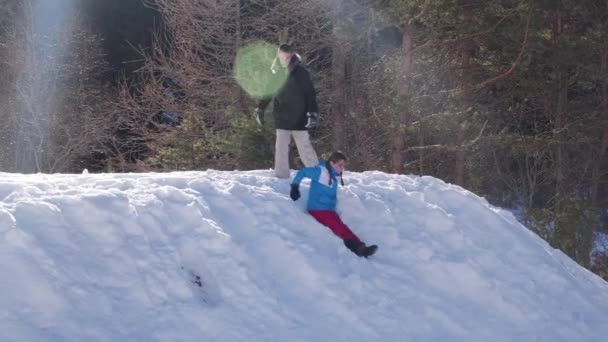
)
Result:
{"points": [[332, 221]]}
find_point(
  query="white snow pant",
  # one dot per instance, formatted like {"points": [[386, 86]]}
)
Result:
{"points": [[281, 155]]}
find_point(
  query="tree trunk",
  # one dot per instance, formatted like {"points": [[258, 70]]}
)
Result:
{"points": [[465, 79], [601, 155], [560, 100], [339, 92], [402, 119], [422, 153], [239, 96], [460, 157]]}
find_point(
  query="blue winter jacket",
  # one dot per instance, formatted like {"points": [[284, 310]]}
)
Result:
{"points": [[322, 195]]}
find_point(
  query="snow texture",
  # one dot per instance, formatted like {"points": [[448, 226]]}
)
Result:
{"points": [[227, 256]]}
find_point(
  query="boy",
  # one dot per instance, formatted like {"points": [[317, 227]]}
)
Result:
{"points": [[295, 112]]}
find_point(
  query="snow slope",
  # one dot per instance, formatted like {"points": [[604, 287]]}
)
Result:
{"points": [[112, 258]]}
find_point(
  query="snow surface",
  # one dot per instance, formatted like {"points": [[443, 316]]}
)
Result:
{"points": [[115, 257]]}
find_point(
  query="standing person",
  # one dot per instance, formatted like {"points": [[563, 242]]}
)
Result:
{"points": [[322, 200], [295, 111]]}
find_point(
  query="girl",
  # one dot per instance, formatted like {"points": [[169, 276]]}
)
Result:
{"points": [[322, 200]]}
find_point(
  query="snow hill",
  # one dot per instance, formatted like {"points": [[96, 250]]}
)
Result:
{"points": [[227, 256]]}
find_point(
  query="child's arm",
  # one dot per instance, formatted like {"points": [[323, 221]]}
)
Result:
{"points": [[306, 172]]}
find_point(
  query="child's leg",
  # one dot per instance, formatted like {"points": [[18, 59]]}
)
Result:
{"points": [[333, 222]]}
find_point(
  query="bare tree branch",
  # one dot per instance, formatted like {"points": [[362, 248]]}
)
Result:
{"points": [[496, 78], [464, 146]]}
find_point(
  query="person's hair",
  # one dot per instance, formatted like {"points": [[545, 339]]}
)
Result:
{"points": [[335, 157], [286, 48]]}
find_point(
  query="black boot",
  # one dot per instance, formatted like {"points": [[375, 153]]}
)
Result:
{"points": [[368, 251], [359, 248], [353, 245]]}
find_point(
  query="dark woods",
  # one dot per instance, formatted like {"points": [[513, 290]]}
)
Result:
{"points": [[507, 98]]}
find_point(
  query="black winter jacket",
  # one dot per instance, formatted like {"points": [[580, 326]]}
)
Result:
{"points": [[296, 98]]}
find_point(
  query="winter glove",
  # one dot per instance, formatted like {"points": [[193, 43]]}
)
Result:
{"points": [[259, 116], [295, 192], [313, 120]]}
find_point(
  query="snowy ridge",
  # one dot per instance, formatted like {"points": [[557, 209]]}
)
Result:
{"points": [[115, 258]]}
